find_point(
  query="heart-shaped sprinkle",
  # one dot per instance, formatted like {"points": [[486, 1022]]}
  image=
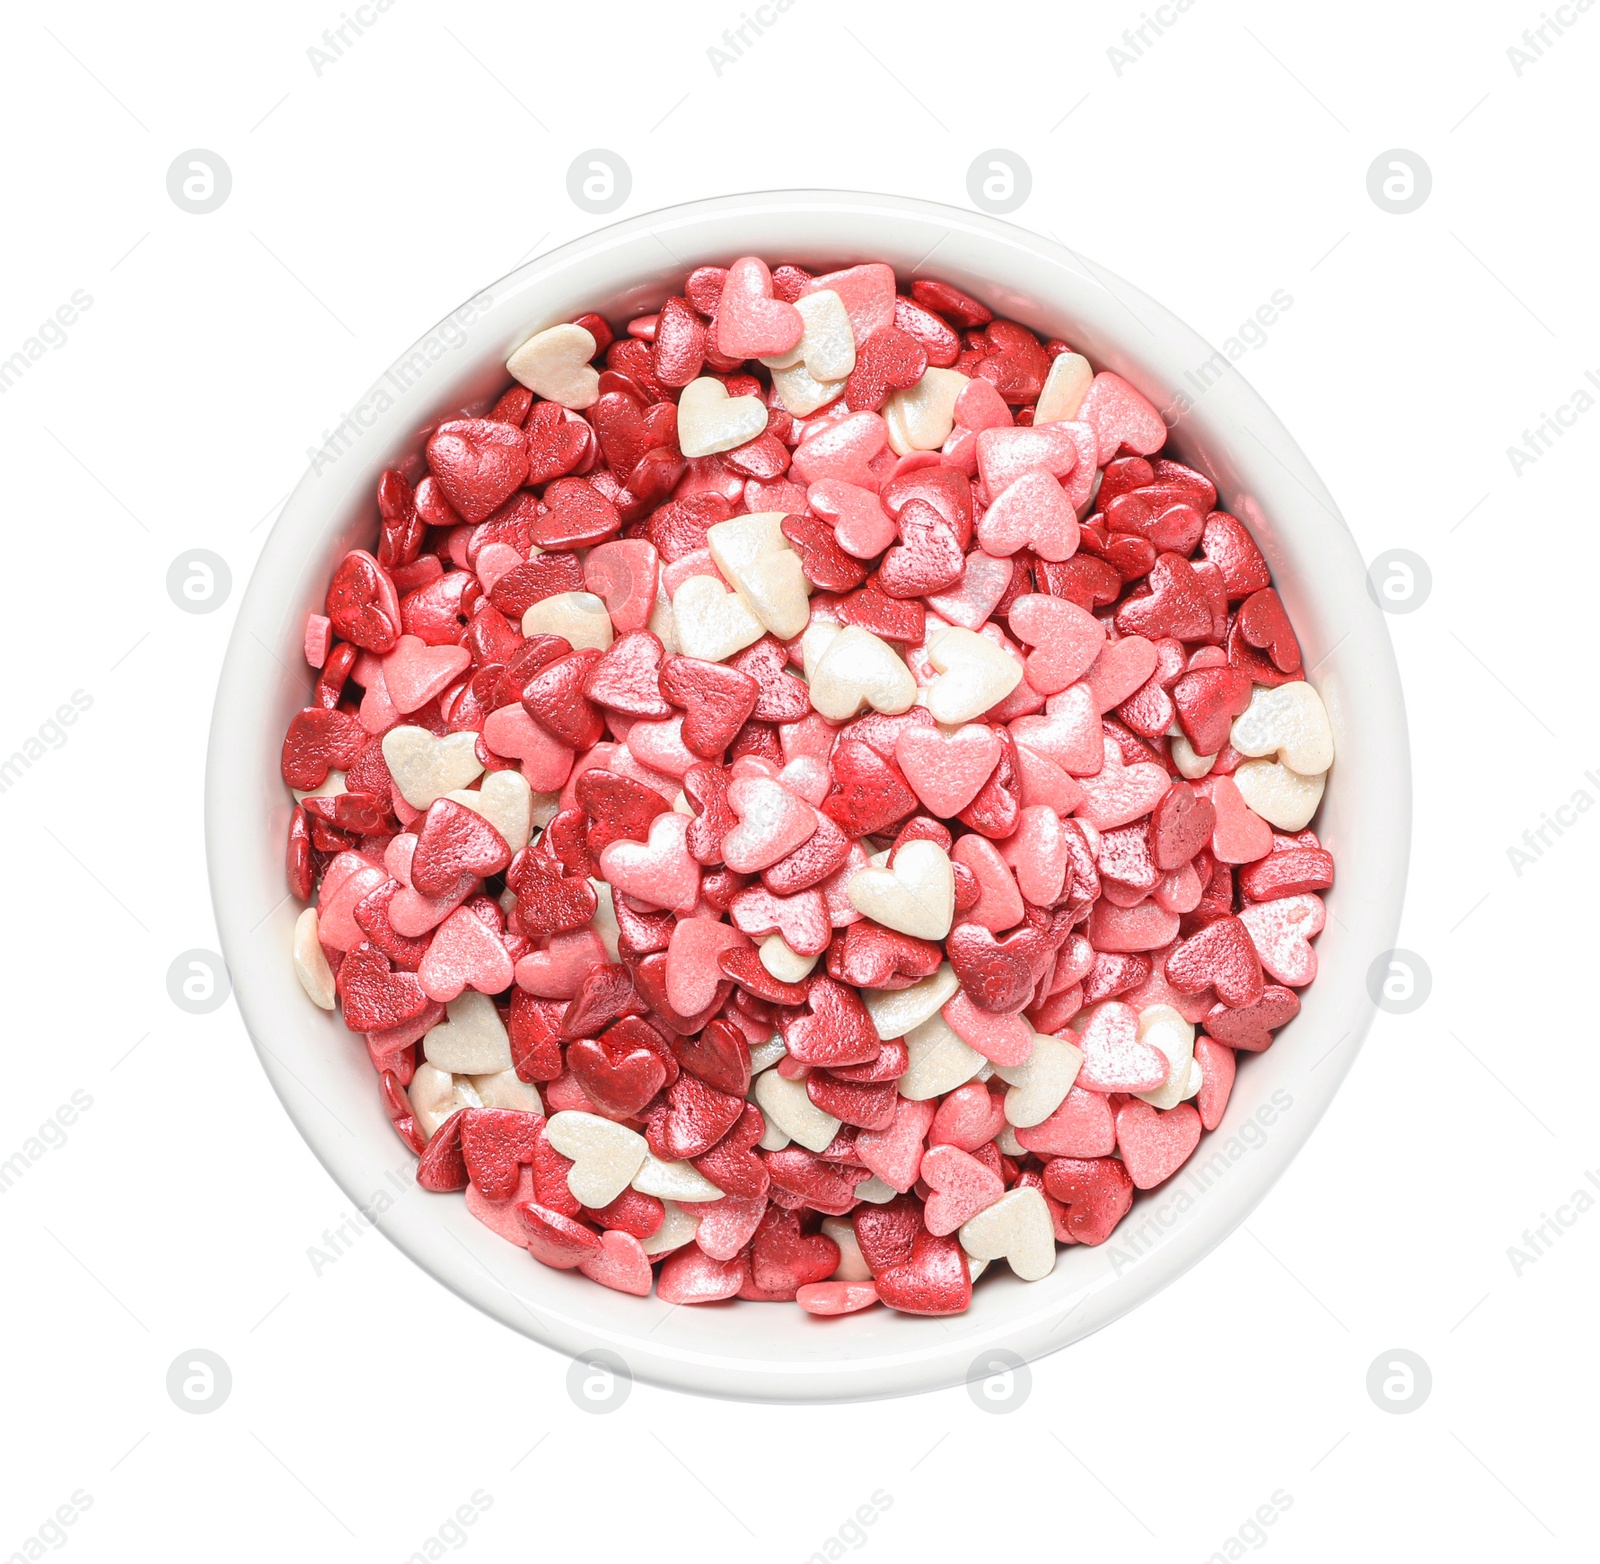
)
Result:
{"points": [[1066, 640], [1165, 1030], [974, 674], [1120, 793], [605, 1155], [984, 582], [1289, 721], [472, 1041], [753, 553], [859, 670], [464, 952], [479, 463], [1032, 512], [1240, 834], [773, 822], [1154, 1145], [935, 1280], [709, 420], [1282, 931], [751, 323], [579, 618], [1041, 1082], [1222, 956], [555, 364], [1082, 1126], [1096, 1191], [915, 896], [961, 1187], [1121, 416], [1114, 1060], [922, 416], [1016, 1228], [658, 872], [505, 800], [897, 1011], [787, 1105], [713, 623], [1282, 797]]}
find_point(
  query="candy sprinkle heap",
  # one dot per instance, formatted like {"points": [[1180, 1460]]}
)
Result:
{"points": [[810, 808]]}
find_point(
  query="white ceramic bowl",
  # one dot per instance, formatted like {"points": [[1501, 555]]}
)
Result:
{"points": [[321, 1072]]}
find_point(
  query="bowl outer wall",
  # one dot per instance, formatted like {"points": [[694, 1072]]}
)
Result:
{"points": [[321, 1072]]}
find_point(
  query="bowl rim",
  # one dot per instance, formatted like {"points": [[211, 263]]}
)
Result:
{"points": [[1288, 510]]}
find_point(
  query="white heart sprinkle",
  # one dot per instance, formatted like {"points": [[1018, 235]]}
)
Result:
{"points": [[663, 625], [764, 1055], [310, 964], [604, 921], [605, 1155], [1189, 764], [471, 1040], [580, 616], [787, 1104], [435, 1094], [1065, 387], [921, 417], [858, 669], [940, 1061], [506, 801], [709, 420], [674, 1181], [507, 1089], [753, 554], [974, 674], [1290, 721], [896, 1011], [782, 962], [1170, 1035], [827, 345], [916, 897], [555, 364], [677, 1228], [331, 786], [1016, 1228], [712, 622], [1281, 797], [1039, 1085], [819, 635], [425, 768], [875, 1192], [801, 392]]}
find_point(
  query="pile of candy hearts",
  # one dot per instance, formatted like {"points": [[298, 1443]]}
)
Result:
{"points": [[802, 800]]}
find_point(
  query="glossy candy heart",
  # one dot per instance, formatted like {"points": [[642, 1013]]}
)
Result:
{"points": [[1097, 1192], [1222, 956], [1155, 1144], [934, 1280], [1066, 640], [1032, 512], [479, 464], [961, 1187], [751, 323], [946, 771], [554, 363]]}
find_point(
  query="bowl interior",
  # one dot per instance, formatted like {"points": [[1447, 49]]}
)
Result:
{"points": [[1218, 424]]}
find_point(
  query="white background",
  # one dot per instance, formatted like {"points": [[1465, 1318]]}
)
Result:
{"points": [[1229, 161]]}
